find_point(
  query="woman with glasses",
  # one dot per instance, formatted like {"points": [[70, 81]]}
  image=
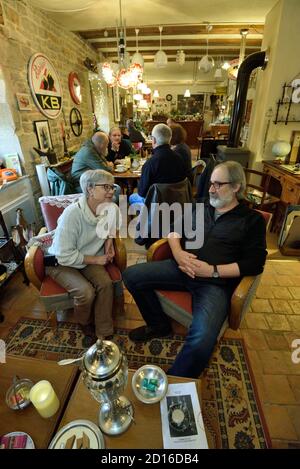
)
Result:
{"points": [[82, 248]]}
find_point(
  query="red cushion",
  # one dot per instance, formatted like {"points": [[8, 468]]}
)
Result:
{"points": [[162, 253], [38, 264], [182, 299], [114, 272], [50, 287]]}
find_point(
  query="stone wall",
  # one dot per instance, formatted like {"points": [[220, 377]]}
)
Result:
{"points": [[25, 30]]}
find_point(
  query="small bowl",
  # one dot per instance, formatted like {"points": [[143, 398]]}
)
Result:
{"points": [[150, 384]]}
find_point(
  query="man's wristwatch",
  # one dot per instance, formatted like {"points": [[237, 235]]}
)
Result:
{"points": [[215, 273]]}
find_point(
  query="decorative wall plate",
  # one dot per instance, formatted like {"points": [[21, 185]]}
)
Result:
{"points": [[75, 88], [76, 121], [45, 86]]}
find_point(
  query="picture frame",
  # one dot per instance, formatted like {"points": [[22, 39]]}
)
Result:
{"points": [[116, 103], [295, 150], [23, 100], [42, 131]]}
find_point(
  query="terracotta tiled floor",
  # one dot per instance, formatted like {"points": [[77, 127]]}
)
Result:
{"points": [[269, 328]]}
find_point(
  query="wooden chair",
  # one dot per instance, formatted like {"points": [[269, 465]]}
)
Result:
{"points": [[178, 304], [54, 297], [257, 192]]}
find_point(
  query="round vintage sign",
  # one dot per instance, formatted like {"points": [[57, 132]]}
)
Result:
{"points": [[75, 88], [45, 85]]}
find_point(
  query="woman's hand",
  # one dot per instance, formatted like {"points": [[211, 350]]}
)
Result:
{"points": [[102, 260], [115, 146], [109, 249]]}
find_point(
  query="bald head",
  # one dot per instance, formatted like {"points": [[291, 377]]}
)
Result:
{"points": [[100, 141]]}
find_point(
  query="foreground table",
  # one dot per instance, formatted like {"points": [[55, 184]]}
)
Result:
{"points": [[28, 420], [145, 433]]}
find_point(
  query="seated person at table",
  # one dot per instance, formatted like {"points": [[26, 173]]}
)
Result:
{"points": [[92, 155], [118, 147], [164, 166], [134, 134], [234, 246], [82, 253], [178, 144]]}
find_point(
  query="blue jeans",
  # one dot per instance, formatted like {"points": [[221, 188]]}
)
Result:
{"points": [[210, 307], [135, 198]]}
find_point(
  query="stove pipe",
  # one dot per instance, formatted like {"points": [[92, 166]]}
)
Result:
{"points": [[258, 59]]}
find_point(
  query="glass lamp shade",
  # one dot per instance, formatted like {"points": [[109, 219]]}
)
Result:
{"points": [[156, 94], [218, 73], [160, 59], [187, 93], [137, 58], [281, 148], [206, 64]]}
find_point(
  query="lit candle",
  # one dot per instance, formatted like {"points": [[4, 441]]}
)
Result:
{"points": [[44, 399]]}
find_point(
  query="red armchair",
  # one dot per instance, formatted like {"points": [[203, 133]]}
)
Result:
{"points": [[178, 304], [53, 296]]}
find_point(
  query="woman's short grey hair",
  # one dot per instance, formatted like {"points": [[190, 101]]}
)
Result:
{"points": [[89, 178], [236, 175], [162, 134]]}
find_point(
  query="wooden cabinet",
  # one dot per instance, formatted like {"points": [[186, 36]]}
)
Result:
{"points": [[290, 182], [193, 130]]}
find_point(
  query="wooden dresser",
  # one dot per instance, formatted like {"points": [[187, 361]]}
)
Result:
{"points": [[289, 194], [290, 182]]}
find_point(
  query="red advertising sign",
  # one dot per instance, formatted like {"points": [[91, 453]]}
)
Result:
{"points": [[45, 85]]}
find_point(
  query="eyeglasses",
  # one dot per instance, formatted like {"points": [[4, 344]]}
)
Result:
{"points": [[216, 184], [107, 187]]}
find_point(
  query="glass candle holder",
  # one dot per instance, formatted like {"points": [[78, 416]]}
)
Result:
{"points": [[44, 399]]}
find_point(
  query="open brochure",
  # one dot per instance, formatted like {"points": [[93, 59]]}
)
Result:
{"points": [[182, 423]]}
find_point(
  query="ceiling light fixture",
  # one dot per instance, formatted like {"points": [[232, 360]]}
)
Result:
{"points": [[124, 75], [156, 94], [180, 57], [207, 63], [137, 58], [160, 58], [187, 93]]}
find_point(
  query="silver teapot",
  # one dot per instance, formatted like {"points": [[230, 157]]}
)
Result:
{"points": [[105, 374]]}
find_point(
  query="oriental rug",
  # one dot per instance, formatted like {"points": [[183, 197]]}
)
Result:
{"points": [[231, 410]]}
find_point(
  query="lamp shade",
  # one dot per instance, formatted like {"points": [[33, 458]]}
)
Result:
{"points": [[137, 58], [160, 59], [281, 148], [187, 93], [218, 73], [206, 64], [156, 94]]}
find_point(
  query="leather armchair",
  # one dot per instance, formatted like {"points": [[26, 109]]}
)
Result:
{"points": [[53, 296], [178, 304]]}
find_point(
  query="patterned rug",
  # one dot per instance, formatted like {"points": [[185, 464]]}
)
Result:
{"points": [[229, 402]]}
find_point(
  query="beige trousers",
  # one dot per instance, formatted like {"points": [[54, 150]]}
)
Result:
{"points": [[92, 290]]}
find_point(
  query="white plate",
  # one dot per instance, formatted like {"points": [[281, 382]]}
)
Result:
{"points": [[77, 427], [120, 170], [29, 443]]}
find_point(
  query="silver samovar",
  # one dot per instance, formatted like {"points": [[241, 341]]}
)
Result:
{"points": [[105, 374]]}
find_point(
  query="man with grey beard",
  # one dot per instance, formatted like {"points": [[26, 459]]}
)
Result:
{"points": [[234, 246]]}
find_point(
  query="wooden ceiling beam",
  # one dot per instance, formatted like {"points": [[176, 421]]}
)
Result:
{"points": [[178, 29]]}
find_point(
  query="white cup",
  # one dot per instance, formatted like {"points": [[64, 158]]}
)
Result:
{"points": [[120, 168]]}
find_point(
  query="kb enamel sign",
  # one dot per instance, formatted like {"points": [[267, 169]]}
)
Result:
{"points": [[45, 85]]}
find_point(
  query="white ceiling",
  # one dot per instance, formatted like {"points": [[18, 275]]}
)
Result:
{"points": [[93, 14]]}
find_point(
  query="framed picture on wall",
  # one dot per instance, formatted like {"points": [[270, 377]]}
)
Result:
{"points": [[42, 131], [295, 144], [23, 101], [116, 103]]}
